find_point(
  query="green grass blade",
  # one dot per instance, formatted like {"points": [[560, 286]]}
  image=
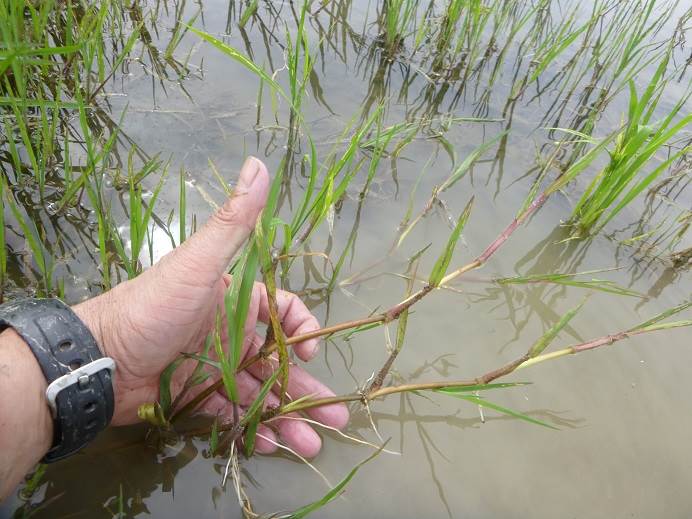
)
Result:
{"points": [[3, 250], [243, 304], [165, 399], [227, 371], [442, 263], [500, 409], [637, 189], [481, 387], [334, 492], [182, 206], [461, 170], [548, 337], [248, 12], [555, 51], [663, 315], [214, 436], [259, 399], [251, 432], [240, 58], [668, 326], [602, 285], [579, 166]]}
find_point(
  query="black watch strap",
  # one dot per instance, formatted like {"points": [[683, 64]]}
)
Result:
{"points": [[80, 378]]}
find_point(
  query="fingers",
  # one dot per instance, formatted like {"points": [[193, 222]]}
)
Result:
{"points": [[206, 254], [266, 440], [295, 317], [300, 384]]}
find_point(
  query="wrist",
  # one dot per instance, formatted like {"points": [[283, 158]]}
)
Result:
{"points": [[79, 378], [23, 388], [99, 314], [91, 312]]}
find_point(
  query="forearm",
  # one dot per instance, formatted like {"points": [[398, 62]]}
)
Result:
{"points": [[26, 426]]}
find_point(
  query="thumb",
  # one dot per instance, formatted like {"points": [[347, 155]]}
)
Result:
{"points": [[207, 253]]}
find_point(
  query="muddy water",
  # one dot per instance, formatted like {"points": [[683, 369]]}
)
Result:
{"points": [[622, 413]]}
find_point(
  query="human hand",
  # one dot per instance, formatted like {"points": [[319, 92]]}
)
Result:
{"points": [[147, 322]]}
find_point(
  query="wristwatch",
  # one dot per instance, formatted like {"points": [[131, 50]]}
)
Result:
{"points": [[80, 378]]}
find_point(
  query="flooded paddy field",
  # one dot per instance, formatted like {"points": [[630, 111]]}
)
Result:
{"points": [[405, 111]]}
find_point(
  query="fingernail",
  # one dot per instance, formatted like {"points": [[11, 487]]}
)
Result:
{"points": [[249, 171]]}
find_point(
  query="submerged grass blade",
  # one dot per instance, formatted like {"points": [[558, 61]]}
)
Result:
{"points": [[3, 250], [481, 387], [661, 316], [248, 13], [240, 58], [602, 285], [500, 409], [334, 492], [42, 256], [548, 337], [463, 168]]}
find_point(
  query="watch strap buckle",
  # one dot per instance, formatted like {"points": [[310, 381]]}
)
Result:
{"points": [[79, 376]]}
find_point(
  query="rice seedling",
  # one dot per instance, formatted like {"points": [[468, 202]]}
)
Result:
{"points": [[617, 46], [461, 31], [379, 145], [298, 73], [398, 17], [248, 12], [3, 246], [42, 255], [616, 185], [140, 215], [317, 204], [455, 176], [568, 280], [552, 46]]}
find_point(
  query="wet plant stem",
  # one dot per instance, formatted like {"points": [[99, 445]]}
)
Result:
{"points": [[394, 312], [389, 315], [522, 362]]}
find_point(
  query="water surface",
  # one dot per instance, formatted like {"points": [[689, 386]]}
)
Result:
{"points": [[622, 412]]}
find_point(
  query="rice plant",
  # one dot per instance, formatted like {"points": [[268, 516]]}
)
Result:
{"points": [[140, 215], [398, 18], [641, 138], [41, 254], [248, 12], [3, 246]]}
